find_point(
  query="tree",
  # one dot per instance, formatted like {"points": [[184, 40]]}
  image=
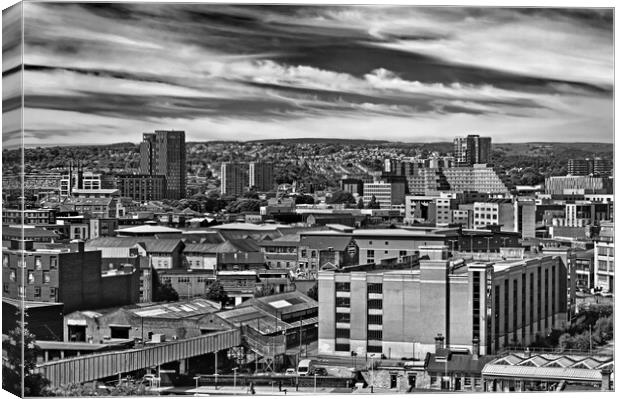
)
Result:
{"points": [[35, 384], [313, 292], [360, 203], [342, 197], [304, 199], [163, 292], [373, 204], [216, 293]]}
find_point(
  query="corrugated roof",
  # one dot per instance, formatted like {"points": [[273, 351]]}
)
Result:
{"points": [[150, 244], [177, 310], [457, 362], [29, 232], [148, 229], [555, 373]]}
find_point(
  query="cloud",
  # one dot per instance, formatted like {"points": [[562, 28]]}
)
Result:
{"points": [[215, 71]]}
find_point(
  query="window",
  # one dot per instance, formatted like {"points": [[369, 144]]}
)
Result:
{"points": [[46, 277], [375, 303], [343, 302], [119, 332], [402, 253], [37, 262], [5, 260], [343, 318], [370, 253], [387, 243], [53, 263], [342, 347], [303, 253], [5, 288], [375, 319], [12, 274], [375, 335], [21, 262], [313, 254], [343, 333], [37, 292], [343, 286], [375, 288], [30, 277]]}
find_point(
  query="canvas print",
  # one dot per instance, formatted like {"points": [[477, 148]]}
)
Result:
{"points": [[237, 199]]}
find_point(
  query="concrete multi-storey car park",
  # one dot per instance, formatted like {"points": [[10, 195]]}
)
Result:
{"points": [[398, 313]]}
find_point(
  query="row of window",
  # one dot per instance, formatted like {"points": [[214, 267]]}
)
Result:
{"points": [[37, 291], [30, 277], [38, 264]]}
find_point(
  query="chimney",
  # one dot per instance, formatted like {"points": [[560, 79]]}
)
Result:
{"points": [[76, 246], [606, 380], [475, 348], [438, 342]]}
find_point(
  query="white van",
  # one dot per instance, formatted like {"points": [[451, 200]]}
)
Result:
{"points": [[305, 367]]}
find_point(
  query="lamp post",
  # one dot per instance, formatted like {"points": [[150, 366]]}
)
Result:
{"points": [[372, 373], [235, 377]]}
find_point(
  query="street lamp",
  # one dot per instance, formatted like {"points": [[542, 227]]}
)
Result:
{"points": [[372, 373], [235, 376]]}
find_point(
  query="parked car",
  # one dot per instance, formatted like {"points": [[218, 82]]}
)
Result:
{"points": [[290, 372], [319, 371]]}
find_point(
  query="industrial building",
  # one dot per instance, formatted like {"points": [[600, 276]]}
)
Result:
{"points": [[398, 313]]}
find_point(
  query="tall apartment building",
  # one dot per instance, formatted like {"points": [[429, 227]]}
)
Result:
{"points": [[590, 167], [261, 176], [164, 153], [234, 178], [142, 187], [472, 150], [427, 181], [386, 194], [480, 178], [398, 313]]}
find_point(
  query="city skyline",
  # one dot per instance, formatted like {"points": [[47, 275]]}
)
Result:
{"points": [[410, 74]]}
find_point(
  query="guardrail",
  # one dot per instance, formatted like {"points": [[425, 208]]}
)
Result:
{"points": [[287, 381]]}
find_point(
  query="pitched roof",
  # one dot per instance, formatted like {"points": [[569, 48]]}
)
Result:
{"points": [[150, 244], [147, 229], [458, 362], [28, 232], [547, 373]]}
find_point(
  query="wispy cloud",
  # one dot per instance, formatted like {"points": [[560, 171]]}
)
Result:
{"points": [[404, 73]]}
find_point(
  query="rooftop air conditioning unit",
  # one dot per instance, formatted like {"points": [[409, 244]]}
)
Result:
{"points": [[158, 338]]}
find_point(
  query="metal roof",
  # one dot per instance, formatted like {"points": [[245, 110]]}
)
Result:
{"points": [[148, 229], [546, 373]]}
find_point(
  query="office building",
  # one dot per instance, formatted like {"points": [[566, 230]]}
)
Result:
{"points": [[563, 185], [234, 179], [525, 218], [29, 216], [386, 194], [472, 150], [604, 258], [480, 178], [399, 313], [353, 186], [494, 212], [261, 176], [142, 187], [163, 153], [80, 180]]}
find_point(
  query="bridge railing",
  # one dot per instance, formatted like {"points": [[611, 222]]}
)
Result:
{"points": [[93, 367]]}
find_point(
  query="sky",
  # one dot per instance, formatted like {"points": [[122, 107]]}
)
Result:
{"points": [[106, 73]]}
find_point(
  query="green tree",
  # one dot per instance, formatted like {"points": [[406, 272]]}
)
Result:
{"points": [[216, 293], [360, 203], [264, 290], [130, 388], [313, 292], [35, 384]]}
